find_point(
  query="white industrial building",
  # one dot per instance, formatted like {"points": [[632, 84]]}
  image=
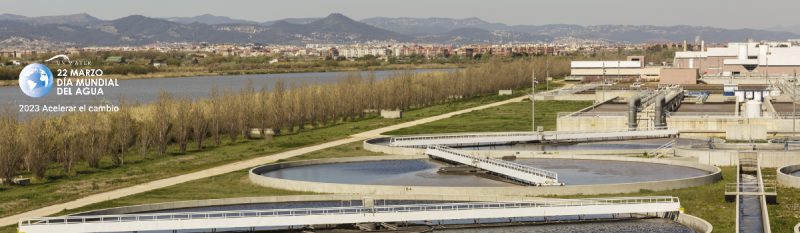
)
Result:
{"points": [[632, 67], [744, 59]]}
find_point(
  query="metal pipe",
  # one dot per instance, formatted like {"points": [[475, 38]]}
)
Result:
{"points": [[633, 108], [660, 111]]}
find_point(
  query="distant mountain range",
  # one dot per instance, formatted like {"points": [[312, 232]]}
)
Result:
{"points": [[84, 29], [786, 28]]}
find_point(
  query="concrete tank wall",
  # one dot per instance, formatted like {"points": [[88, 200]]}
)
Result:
{"points": [[699, 225], [591, 123], [695, 223], [370, 145], [292, 198], [319, 187], [785, 178], [767, 158], [720, 124]]}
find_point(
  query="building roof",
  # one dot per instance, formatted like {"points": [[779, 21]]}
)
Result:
{"points": [[115, 59], [606, 64], [751, 53]]}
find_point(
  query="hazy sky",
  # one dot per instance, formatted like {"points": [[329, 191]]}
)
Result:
{"points": [[720, 13]]}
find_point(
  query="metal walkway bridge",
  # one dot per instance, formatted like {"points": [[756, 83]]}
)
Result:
{"points": [[216, 221], [514, 171], [570, 90], [485, 139]]}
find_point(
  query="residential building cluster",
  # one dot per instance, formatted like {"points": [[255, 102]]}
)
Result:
{"points": [[335, 51]]}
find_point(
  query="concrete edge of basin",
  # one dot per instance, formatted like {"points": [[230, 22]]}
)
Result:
{"points": [[725, 157], [697, 224], [372, 145], [785, 178], [289, 198], [255, 176]]}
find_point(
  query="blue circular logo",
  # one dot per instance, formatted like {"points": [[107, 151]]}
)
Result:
{"points": [[36, 80]]}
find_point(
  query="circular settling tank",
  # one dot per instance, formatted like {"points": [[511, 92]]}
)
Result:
{"points": [[424, 172]]}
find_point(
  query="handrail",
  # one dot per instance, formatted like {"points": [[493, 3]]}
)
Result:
{"points": [[535, 135], [727, 114], [489, 134], [734, 188], [502, 163], [344, 210], [570, 90], [591, 114], [659, 152]]}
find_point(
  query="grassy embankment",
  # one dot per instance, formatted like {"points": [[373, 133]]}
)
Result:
{"points": [[58, 188], [509, 117]]}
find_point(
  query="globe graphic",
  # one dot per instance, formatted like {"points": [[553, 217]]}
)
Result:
{"points": [[36, 80]]}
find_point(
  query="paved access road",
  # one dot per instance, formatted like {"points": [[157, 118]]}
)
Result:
{"points": [[241, 165]]}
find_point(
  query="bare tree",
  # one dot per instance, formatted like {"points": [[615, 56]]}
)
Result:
{"points": [[37, 135], [216, 115], [199, 123], [162, 121], [123, 136], [10, 159], [94, 139], [182, 122]]}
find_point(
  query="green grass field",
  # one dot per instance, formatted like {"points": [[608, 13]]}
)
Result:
{"points": [[508, 117]]}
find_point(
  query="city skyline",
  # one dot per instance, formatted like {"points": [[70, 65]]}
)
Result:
{"points": [[714, 13]]}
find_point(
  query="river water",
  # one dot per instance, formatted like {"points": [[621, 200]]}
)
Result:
{"points": [[146, 90]]}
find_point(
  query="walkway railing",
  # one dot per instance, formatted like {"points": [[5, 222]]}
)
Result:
{"points": [[548, 175], [664, 149], [343, 210], [394, 140], [570, 90], [591, 114], [727, 114], [505, 138], [750, 189]]}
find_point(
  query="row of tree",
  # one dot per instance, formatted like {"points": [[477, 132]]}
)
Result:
{"points": [[43, 143]]}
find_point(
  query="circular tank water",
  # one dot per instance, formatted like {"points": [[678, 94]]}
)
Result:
{"points": [[424, 172], [753, 109]]}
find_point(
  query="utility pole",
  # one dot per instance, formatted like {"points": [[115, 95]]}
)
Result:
{"points": [[794, 104], [766, 70], [533, 101], [547, 71]]}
